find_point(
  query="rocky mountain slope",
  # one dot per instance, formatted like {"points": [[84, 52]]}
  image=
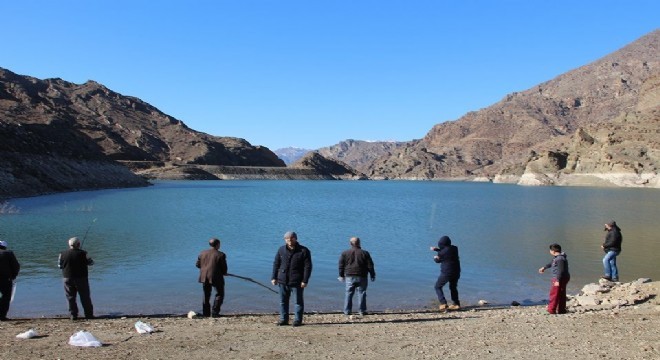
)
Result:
{"points": [[597, 124], [359, 154], [93, 123], [330, 167]]}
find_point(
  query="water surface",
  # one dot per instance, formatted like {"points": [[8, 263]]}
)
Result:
{"points": [[145, 241]]}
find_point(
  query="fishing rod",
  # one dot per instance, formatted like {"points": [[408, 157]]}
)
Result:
{"points": [[252, 280], [87, 232]]}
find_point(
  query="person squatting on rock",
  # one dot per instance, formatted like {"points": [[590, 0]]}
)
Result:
{"points": [[355, 265], [612, 248], [9, 268], [212, 264], [74, 263], [292, 268], [450, 272], [560, 278]]}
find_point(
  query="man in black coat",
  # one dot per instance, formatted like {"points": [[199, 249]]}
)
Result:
{"points": [[612, 248], [74, 263], [450, 272], [9, 268], [292, 268], [212, 264]]}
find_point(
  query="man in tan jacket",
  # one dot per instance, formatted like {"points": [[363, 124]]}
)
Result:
{"points": [[212, 264]]}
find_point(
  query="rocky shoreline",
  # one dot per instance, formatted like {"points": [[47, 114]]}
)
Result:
{"points": [[618, 330]]}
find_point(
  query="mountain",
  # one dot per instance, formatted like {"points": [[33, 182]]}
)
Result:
{"points": [[360, 154], [290, 154], [329, 168], [597, 124], [54, 122]]}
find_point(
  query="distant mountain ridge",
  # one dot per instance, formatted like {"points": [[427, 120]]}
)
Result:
{"points": [[614, 102], [291, 154], [360, 154]]}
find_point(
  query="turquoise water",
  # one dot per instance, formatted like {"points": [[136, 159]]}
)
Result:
{"points": [[145, 241]]}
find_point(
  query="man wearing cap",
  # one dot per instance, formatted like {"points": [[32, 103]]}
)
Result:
{"points": [[9, 268], [212, 264], [612, 248], [74, 263], [291, 271], [355, 265]]}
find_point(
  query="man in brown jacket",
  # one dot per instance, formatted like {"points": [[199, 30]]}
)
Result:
{"points": [[212, 264]]}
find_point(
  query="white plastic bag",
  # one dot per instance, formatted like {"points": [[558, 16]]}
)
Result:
{"points": [[84, 339], [143, 328], [27, 335]]}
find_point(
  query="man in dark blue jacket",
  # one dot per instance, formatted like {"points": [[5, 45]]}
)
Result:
{"points": [[450, 272], [292, 268]]}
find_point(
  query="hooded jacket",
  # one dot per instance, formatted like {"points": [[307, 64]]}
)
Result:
{"points": [[447, 256], [559, 266]]}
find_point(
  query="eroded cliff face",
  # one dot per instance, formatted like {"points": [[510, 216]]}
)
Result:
{"points": [[614, 100], [38, 159], [91, 125]]}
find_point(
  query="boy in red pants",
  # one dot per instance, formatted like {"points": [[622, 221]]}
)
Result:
{"points": [[560, 278]]}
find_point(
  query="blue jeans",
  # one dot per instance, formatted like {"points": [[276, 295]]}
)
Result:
{"points": [[352, 283], [285, 294], [609, 263]]}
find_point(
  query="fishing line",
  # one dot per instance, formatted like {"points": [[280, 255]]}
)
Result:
{"points": [[87, 232], [253, 281]]}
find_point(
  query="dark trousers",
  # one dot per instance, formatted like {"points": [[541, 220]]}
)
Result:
{"points": [[5, 290], [217, 301], [557, 304], [453, 288], [78, 286]]}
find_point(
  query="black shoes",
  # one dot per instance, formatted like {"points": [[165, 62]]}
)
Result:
{"points": [[282, 323], [606, 278], [73, 317], [297, 323]]}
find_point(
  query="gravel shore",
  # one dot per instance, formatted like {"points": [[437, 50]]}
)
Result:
{"points": [[528, 332]]}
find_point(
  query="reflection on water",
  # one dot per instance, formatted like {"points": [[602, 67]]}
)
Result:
{"points": [[145, 241]]}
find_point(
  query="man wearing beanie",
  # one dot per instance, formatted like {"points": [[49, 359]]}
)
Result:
{"points": [[9, 268], [291, 271]]}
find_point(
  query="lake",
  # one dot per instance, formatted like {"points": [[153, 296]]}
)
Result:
{"points": [[145, 241]]}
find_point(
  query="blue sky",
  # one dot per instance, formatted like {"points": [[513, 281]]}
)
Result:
{"points": [[312, 73]]}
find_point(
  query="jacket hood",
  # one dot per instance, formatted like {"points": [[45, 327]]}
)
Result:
{"points": [[444, 241]]}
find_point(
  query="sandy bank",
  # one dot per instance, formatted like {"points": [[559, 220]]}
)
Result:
{"points": [[622, 332]]}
